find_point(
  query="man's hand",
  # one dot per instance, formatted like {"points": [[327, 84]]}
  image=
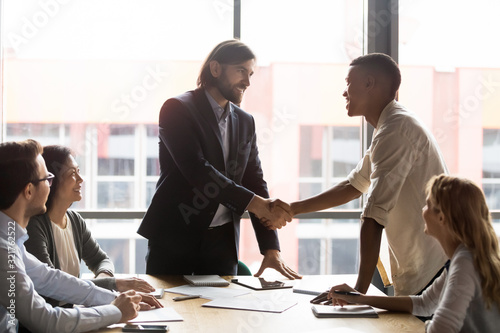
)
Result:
{"points": [[274, 214], [134, 283], [128, 303], [272, 259], [148, 302]]}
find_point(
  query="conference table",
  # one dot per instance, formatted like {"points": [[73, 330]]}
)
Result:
{"points": [[298, 318]]}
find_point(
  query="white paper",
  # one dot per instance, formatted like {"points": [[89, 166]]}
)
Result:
{"points": [[154, 315], [253, 304], [207, 292]]}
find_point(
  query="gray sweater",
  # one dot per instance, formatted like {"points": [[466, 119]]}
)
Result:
{"points": [[41, 245]]}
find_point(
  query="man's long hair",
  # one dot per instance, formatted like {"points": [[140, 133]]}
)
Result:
{"points": [[229, 52]]}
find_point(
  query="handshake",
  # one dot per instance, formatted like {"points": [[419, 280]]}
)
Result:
{"points": [[273, 213]]}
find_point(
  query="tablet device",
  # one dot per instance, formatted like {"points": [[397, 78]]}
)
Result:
{"points": [[258, 283]]}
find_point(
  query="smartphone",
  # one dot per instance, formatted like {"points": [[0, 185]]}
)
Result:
{"points": [[144, 328]]}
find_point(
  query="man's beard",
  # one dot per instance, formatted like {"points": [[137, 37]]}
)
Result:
{"points": [[37, 211], [227, 91]]}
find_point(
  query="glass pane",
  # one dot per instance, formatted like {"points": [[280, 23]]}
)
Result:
{"points": [[303, 51], [150, 191], [454, 90], [492, 194], [344, 256], [491, 153], [117, 250], [141, 249], [117, 194], [311, 151], [309, 256], [346, 150], [153, 163], [309, 189], [116, 150]]}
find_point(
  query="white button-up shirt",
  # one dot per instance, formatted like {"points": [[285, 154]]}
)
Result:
{"points": [[401, 159], [22, 277], [223, 215]]}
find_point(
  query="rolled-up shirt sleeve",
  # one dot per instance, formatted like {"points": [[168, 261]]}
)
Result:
{"points": [[387, 165], [359, 178]]}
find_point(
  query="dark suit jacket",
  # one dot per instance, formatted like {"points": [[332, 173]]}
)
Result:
{"points": [[194, 178]]}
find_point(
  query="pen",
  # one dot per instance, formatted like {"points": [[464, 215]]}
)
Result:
{"points": [[350, 293], [183, 298]]}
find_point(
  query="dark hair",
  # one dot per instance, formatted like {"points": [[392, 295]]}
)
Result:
{"points": [[18, 167], [229, 52], [381, 64], [55, 158]]}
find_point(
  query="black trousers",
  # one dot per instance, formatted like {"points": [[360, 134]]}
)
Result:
{"points": [[213, 252]]}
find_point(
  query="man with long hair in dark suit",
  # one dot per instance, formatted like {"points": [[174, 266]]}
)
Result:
{"points": [[210, 175]]}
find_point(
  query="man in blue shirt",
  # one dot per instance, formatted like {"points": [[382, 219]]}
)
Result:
{"points": [[24, 187]]}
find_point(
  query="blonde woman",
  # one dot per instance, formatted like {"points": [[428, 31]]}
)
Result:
{"points": [[466, 297]]}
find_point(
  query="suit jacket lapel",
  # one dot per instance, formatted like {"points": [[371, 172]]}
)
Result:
{"points": [[207, 113]]}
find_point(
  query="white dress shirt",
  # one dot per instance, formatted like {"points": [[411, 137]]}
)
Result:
{"points": [[223, 215], [22, 277], [401, 159]]}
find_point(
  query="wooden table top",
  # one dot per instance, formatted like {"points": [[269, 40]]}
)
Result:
{"points": [[298, 318]]}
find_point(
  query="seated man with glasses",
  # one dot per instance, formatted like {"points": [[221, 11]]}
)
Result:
{"points": [[25, 185], [60, 237]]}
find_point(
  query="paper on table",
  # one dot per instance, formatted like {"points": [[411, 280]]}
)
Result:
{"points": [[160, 314], [207, 292], [252, 304]]}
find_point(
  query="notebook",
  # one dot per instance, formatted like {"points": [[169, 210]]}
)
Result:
{"points": [[206, 280], [347, 311]]}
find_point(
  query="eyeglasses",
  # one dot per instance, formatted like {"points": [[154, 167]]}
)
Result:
{"points": [[49, 178]]}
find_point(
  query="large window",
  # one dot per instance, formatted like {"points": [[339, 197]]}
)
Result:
{"points": [[451, 79], [93, 74]]}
